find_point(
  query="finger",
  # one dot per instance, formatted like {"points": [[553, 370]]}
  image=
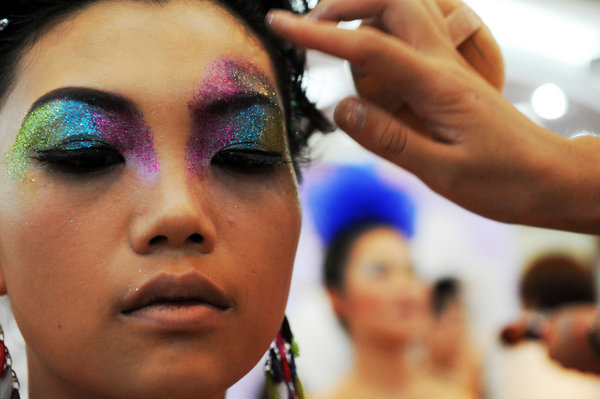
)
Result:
{"points": [[434, 8], [410, 20], [390, 138], [462, 23], [370, 51], [336, 10]]}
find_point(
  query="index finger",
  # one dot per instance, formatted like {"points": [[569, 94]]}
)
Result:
{"points": [[368, 49], [411, 20]]}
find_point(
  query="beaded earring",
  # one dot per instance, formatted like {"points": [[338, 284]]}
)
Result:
{"points": [[9, 384], [280, 368]]}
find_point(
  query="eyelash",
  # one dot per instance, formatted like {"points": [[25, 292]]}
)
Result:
{"points": [[80, 157], [248, 160]]}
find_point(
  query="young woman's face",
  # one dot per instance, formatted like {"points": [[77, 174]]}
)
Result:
{"points": [[382, 300], [148, 211]]}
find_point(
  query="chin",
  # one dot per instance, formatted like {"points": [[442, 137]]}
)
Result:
{"points": [[194, 375], [179, 386]]}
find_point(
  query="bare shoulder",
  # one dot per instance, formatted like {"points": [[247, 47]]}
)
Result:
{"points": [[340, 392], [437, 388]]}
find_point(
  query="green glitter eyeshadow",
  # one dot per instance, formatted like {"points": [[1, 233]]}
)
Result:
{"points": [[70, 124]]}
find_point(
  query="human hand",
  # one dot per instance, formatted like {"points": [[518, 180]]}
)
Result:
{"points": [[456, 132], [467, 33], [568, 341], [530, 326]]}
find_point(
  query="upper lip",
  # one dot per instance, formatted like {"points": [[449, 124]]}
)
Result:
{"points": [[165, 288]]}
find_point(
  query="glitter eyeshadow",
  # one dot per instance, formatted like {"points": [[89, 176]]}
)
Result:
{"points": [[72, 124], [248, 114]]}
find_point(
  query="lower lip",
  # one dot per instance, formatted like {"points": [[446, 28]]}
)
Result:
{"points": [[188, 317]]}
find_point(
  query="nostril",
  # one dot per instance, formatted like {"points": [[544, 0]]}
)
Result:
{"points": [[196, 238], [158, 240]]}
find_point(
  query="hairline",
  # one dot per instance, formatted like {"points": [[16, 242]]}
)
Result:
{"points": [[62, 17]]}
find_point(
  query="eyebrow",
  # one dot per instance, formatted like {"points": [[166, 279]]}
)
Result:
{"points": [[241, 100], [94, 97]]}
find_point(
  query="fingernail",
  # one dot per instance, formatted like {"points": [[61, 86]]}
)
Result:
{"points": [[277, 18], [315, 14], [269, 17], [352, 115]]}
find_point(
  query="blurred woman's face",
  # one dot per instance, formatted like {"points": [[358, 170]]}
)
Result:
{"points": [[449, 332], [148, 212], [382, 300]]}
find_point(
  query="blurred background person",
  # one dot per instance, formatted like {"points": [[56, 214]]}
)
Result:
{"points": [[549, 284], [367, 224], [453, 353]]}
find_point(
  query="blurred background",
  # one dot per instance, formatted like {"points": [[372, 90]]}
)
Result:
{"points": [[552, 60]]}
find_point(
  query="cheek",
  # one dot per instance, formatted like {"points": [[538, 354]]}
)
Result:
{"points": [[260, 235], [387, 306], [365, 304], [55, 247]]}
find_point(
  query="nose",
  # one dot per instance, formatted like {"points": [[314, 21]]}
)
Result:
{"points": [[173, 215]]}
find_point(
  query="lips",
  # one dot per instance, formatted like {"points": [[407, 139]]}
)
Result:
{"points": [[172, 291]]}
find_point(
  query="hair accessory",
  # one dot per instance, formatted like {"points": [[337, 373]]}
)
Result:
{"points": [[280, 368], [3, 24], [9, 384], [353, 196]]}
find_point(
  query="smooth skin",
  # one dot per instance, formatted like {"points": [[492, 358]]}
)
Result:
{"points": [[385, 309], [72, 247], [477, 149], [381, 300]]}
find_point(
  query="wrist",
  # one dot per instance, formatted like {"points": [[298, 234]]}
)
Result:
{"points": [[568, 194]]}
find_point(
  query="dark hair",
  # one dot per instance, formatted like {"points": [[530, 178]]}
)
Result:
{"points": [[336, 254], [30, 19], [445, 290], [556, 280]]}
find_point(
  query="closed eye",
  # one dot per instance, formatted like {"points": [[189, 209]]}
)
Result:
{"points": [[79, 157], [248, 160]]}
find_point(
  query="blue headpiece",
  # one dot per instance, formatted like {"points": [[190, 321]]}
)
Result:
{"points": [[355, 196]]}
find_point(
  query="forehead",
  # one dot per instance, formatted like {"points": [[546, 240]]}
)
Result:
{"points": [[137, 48], [383, 241], [380, 244]]}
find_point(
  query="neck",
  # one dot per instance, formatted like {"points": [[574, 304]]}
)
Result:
{"points": [[386, 365]]}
